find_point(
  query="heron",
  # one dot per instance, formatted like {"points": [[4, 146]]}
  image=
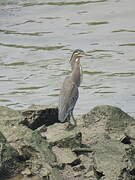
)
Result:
{"points": [[69, 92]]}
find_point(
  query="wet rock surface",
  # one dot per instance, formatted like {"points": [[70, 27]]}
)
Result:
{"points": [[102, 146]]}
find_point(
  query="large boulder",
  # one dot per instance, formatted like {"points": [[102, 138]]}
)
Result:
{"points": [[33, 149], [10, 164], [113, 117], [36, 116], [59, 135], [130, 134], [108, 120], [112, 161], [26, 152], [110, 133], [9, 116]]}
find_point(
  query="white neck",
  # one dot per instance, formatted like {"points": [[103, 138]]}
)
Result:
{"points": [[77, 73]]}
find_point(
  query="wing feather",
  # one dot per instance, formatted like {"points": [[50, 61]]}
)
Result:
{"points": [[67, 99]]}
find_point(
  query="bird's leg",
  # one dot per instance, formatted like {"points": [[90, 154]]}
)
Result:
{"points": [[68, 124], [72, 119]]}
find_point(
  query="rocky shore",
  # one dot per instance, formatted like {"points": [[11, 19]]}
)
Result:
{"points": [[34, 143]]}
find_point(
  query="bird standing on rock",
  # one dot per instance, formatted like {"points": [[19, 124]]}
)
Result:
{"points": [[69, 92]]}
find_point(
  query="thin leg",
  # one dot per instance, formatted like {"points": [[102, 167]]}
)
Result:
{"points": [[72, 119]]}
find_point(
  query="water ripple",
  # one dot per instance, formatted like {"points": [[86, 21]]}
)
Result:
{"points": [[30, 88], [97, 23], [123, 30], [63, 3], [24, 33], [127, 44], [47, 48], [93, 72], [124, 74]]}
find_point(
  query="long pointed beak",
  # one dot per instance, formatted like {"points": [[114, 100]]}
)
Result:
{"points": [[85, 54]]}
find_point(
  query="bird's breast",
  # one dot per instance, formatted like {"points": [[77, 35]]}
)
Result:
{"points": [[77, 74], [81, 74]]}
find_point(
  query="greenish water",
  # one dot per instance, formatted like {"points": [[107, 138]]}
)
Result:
{"points": [[38, 37], [97, 23]]}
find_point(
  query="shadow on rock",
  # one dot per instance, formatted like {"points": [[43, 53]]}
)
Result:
{"points": [[36, 116]]}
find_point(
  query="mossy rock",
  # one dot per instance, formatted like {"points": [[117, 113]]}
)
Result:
{"points": [[59, 135], [113, 118], [113, 161], [10, 164], [9, 116]]}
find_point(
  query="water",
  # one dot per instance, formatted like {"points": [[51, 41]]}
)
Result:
{"points": [[38, 37]]}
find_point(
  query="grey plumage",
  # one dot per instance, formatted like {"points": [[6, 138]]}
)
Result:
{"points": [[68, 97], [69, 92]]}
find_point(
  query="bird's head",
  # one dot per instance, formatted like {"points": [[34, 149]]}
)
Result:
{"points": [[76, 55]]}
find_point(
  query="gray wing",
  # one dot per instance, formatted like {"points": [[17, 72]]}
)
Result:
{"points": [[67, 99]]}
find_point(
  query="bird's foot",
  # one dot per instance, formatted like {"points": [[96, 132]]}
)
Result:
{"points": [[70, 127]]}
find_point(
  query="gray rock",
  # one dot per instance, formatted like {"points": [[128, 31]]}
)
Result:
{"points": [[130, 132], [106, 130], [31, 147], [27, 150], [109, 159], [110, 119], [55, 175], [9, 116], [113, 117], [26, 172], [9, 159], [129, 135], [36, 116], [87, 162], [90, 175], [58, 134], [64, 155]]}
